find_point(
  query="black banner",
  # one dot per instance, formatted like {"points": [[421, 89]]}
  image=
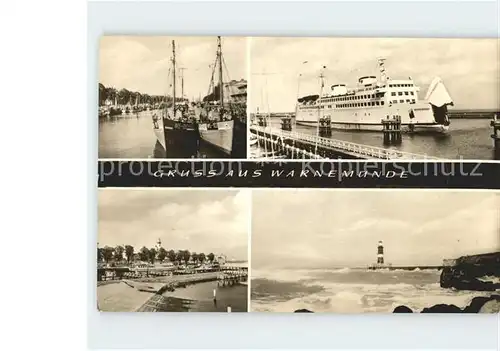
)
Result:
{"points": [[292, 174]]}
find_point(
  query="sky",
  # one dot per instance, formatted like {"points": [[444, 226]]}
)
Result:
{"points": [[141, 63], [469, 68], [196, 220], [329, 228]]}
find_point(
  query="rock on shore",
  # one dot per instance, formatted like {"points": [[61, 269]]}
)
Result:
{"points": [[472, 273], [478, 304]]}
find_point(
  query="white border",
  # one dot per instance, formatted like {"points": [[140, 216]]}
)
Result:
{"points": [[259, 330]]}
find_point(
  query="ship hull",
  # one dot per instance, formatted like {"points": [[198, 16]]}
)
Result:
{"points": [[239, 139], [218, 134], [182, 139], [357, 119], [378, 127]]}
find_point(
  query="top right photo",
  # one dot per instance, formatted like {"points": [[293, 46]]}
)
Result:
{"points": [[374, 98]]}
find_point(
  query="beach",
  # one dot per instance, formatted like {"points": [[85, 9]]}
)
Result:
{"points": [[347, 290]]}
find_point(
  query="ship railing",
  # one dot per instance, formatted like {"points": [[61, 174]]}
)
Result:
{"points": [[346, 146]]}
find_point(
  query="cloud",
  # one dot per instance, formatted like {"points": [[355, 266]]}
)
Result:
{"points": [[142, 63], [469, 67], [197, 220], [342, 228]]}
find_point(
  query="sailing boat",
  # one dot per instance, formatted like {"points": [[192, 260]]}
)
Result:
{"points": [[176, 131], [218, 116]]}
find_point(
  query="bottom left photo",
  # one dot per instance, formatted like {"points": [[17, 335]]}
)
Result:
{"points": [[164, 250]]}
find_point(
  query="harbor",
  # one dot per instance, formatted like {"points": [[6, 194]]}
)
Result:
{"points": [[186, 120], [325, 103], [467, 138], [136, 273]]}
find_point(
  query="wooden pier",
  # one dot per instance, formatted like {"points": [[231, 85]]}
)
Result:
{"points": [[297, 145], [232, 277], [495, 124]]}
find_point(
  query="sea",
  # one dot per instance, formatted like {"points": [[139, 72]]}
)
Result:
{"points": [[468, 139], [132, 136], [348, 290]]}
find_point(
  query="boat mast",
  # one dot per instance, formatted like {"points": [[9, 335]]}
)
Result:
{"points": [[173, 69], [182, 81], [219, 56]]}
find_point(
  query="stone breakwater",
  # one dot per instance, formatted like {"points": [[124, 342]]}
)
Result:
{"points": [[477, 272]]}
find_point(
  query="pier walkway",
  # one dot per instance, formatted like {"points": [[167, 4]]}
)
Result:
{"points": [[297, 145]]}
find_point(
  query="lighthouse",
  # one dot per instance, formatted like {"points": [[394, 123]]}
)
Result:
{"points": [[380, 253]]}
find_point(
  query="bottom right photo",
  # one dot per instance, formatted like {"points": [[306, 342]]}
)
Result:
{"points": [[382, 251]]}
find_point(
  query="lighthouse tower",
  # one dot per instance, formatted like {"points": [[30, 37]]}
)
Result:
{"points": [[158, 244], [380, 253]]}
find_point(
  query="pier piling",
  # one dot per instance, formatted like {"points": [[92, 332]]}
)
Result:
{"points": [[325, 126], [261, 121], [495, 124], [391, 128], [286, 123]]}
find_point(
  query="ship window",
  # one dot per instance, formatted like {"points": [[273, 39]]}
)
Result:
{"points": [[411, 92], [413, 101], [377, 103], [394, 101], [400, 93], [373, 96], [393, 93], [401, 101], [382, 102], [407, 100], [406, 93]]}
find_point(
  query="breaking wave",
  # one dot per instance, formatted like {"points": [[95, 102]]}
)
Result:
{"points": [[348, 291]]}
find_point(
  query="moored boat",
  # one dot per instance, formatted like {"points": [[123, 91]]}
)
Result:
{"points": [[176, 131], [222, 120], [374, 99]]}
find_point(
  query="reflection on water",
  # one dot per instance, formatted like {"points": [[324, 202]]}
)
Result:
{"points": [[132, 136], [467, 139]]}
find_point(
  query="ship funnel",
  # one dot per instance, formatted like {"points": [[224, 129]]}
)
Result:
{"points": [[437, 94]]}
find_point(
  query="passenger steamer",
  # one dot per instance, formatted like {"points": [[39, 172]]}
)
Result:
{"points": [[364, 107]]}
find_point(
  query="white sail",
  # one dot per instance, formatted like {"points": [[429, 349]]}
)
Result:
{"points": [[437, 94]]}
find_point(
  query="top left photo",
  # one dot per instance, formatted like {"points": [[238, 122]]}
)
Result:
{"points": [[172, 97]]}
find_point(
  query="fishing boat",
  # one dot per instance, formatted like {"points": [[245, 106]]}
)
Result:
{"points": [[176, 131], [374, 99], [222, 119]]}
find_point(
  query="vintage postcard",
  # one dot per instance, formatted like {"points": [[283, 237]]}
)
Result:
{"points": [[375, 251], [172, 97], [164, 250], [374, 98]]}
